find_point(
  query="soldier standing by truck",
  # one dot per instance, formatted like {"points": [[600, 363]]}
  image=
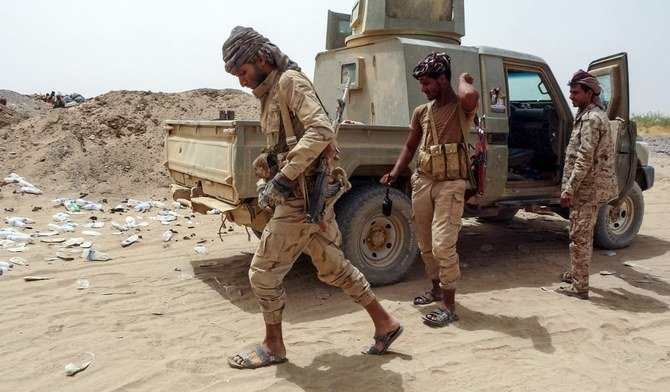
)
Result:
{"points": [[439, 183], [589, 180], [298, 131]]}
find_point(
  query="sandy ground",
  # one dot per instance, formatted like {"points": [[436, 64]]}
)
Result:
{"points": [[162, 317]]}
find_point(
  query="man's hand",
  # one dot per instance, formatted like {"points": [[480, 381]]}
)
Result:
{"points": [[565, 199], [275, 192], [466, 77], [388, 179]]}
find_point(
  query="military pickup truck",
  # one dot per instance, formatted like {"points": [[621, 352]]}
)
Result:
{"points": [[524, 115]]}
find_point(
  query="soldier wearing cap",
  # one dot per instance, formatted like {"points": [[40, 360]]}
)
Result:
{"points": [[589, 180], [298, 131], [437, 130]]}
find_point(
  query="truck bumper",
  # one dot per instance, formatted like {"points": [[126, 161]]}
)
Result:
{"points": [[645, 177]]}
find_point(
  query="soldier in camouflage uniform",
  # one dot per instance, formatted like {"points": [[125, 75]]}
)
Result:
{"points": [[276, 81], [589, 180], [439, 183]]}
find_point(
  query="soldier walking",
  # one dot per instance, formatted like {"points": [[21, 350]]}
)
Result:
{"points": [[298, 133]]}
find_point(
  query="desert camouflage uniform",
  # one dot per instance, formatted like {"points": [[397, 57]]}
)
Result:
{"points": [[438, 208], [288, 233], [589, 177]]}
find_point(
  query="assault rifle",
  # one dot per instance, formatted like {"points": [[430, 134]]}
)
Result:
{"points": [[322, 189]]}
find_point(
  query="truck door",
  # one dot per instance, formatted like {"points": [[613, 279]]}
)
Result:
{"points": [[612, 73]]}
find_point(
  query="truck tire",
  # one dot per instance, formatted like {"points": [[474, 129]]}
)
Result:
{"points": [[382, 248], [504, 215], [617, 226]]}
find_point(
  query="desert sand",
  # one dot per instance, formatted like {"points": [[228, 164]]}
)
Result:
{"points": [[163, 316]]}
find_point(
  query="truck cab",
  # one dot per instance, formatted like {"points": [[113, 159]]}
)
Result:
{"points": [[523, 118]]}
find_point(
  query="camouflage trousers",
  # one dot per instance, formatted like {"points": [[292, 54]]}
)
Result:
{"points": [[582, 222], [286, 235], [438, 208]]}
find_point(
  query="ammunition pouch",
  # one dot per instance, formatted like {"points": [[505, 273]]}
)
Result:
{"points": [[444, 162]]}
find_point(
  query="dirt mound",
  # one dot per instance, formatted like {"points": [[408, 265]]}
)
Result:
{"points": [[111, 145]]}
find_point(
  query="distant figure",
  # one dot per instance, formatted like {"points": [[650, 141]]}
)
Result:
{"points": [[588, 177], [59, 102]]}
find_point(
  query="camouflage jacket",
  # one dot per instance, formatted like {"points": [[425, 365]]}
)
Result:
{"points": [[588, 173], [311, 124]]}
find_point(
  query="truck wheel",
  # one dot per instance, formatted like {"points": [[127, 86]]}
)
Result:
{"points": [[617, 226], [382, 248]]}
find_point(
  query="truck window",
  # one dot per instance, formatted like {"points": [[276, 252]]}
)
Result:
{"points": [[533, 123], [526, 87], [606, 94]]}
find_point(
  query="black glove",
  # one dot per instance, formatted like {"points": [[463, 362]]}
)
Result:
{"points": [[275, 192]]}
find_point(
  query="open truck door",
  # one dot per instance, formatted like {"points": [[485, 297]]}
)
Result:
{"points": [[619, 221], [612, 73]]}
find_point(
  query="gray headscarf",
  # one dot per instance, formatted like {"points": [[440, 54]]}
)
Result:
{"points": [[245, 44]]}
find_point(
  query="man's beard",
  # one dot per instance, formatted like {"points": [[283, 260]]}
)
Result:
{"points": [[261, 75]]}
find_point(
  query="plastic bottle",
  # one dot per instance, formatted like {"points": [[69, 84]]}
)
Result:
{"points": [[2, 270], [130, 240], [92, 206], [15, 221], [6, 265], [143, 206], [167, 236]]}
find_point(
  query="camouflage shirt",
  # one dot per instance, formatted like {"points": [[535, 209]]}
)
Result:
{"points": [[588, 174], [311, 124]]}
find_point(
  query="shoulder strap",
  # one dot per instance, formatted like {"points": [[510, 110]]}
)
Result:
{"points": [[291, 140], [431, 120]]}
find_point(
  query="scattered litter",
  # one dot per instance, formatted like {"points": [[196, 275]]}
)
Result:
{"points": [[160, 309], [86, 244], [49, 233], [76, 241], [609, 253], [52, 240], [62, 217], [167, 236], [17, 221], [118, 208], [19, 261], [34, 278], [66, 228], [65, 256], [486, 248], [94, 225], [201, 249], [81, 283], [91, 233], [93, 255], [321, 293], [631, 264], [71, 369], [607, 272], [130, 240], [213, 212], [523, 249]]}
